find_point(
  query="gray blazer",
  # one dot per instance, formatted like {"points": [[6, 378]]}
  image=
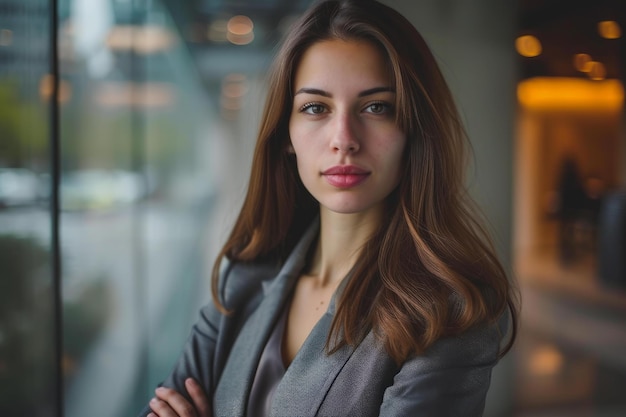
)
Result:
{"points": [[222, 353]]}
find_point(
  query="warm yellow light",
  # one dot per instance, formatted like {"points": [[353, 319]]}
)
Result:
{"points": [[46, 87], [148, 95], [609, 29], [234, 86], [240, 25], [230, 103], [240, 39], [147, 39], [588, 66], [553, 93], [153, 39], [581, 61], [546, 361], [240, 30], [597, 71], [528, 46]]}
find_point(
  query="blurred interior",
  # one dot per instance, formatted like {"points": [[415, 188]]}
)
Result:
{"points": [[126, 133]]}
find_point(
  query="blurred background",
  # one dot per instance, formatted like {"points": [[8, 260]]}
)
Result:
{"points": [[126, 133]]}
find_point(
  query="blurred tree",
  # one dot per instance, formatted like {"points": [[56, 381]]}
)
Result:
{"points": [[27, 336], [23, 128], [26, 328]]}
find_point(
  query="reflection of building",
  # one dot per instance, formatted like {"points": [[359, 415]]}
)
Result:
{"points": [[24, 62], [24, 39]]}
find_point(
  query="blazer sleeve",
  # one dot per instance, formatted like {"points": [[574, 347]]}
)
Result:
{"points": [[451, 379], [196, 359], [207, 346]]}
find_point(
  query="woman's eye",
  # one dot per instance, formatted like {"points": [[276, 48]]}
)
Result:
{"points": [[312, 108], [378, 108]]}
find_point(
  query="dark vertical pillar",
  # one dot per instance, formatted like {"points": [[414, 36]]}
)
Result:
{"points": [[55, 244]]}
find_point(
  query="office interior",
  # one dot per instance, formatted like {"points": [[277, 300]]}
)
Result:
{"points": [[126, 134]]}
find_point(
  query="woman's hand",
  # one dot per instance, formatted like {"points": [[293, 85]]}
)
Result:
{"points": [[169, 403]]}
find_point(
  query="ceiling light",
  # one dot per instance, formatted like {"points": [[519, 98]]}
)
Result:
{"points": [[546, 361], [581, 62], [240, 39], [528, 46], [240, 30], [147, 95], [146, 39], [569, 94], [234, 86], [240, 25], [609, 29], [598, 71], [46, 87]]}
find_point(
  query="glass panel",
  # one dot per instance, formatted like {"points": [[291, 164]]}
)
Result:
{"points": [[180, 132], [135, 192], [100, 185], [27, 358]]}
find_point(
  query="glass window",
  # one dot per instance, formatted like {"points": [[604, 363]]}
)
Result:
{"points": [[27, 328], [146, 149], [135, 192]]}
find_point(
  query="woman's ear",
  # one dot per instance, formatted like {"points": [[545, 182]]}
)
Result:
{"points": [[290, 149]]}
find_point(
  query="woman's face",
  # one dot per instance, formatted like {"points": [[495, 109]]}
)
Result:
{"points": [[342, 127]]}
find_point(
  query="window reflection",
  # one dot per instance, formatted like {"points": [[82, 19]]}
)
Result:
{"points": [[135, 193], [142, 137], [27, 359]]}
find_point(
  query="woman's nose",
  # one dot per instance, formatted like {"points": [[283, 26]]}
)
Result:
{"points": [[344, 136]]}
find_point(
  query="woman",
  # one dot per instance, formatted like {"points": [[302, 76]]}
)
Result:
{"points": [[356, 280]]}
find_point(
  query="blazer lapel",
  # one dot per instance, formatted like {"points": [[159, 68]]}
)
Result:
{"points": [[312, 372], [233, 389]]}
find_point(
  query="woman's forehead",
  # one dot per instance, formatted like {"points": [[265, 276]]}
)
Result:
{"points": [[331, 63]]}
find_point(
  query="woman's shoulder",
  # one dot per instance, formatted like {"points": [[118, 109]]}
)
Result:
{"points": [[451, 378], [239, 281], [479, 345]]}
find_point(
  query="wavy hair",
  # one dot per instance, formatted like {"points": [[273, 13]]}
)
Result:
{"points": [[429, 271]]}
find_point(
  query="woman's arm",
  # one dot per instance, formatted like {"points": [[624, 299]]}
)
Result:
{"points": [[196, 360], [208, 344]]}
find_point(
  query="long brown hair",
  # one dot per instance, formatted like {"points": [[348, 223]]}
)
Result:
{"points": [[429, 271]]}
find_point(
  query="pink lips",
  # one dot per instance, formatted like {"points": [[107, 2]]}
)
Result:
{"points": [[345, 176]]}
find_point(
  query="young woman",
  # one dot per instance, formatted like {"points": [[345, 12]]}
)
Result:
{"points": [[356, 280]]}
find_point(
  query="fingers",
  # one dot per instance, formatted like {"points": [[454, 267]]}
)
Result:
{"points": [[162, 408], [169, 403], [198, 397]]}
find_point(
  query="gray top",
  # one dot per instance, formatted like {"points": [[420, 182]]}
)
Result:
{"points": [[269, 373]]}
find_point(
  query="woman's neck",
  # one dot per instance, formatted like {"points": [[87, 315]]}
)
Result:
{"points": [[342, 237]]}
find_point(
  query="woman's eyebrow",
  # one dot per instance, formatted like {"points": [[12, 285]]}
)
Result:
{"points": [[376, 90], [315, 91], [319, 92]]}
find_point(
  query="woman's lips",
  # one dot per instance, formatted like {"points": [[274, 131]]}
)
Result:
{"points": [[345, 176]]}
